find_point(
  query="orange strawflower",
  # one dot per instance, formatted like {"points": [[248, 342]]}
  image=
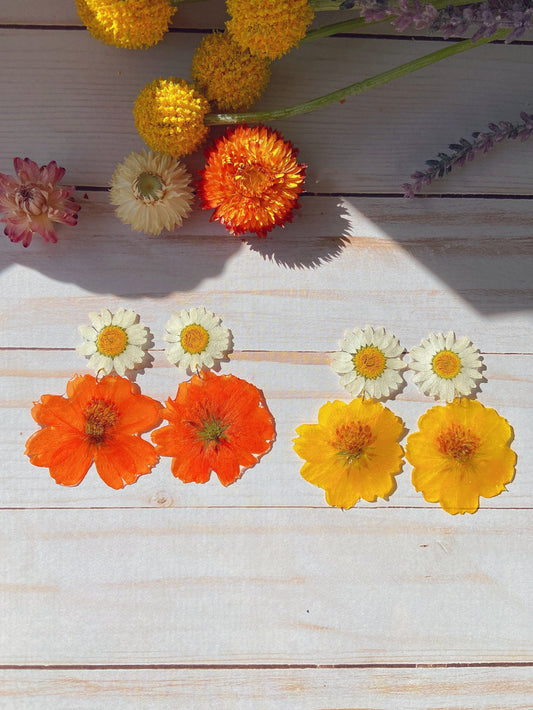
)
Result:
{"points": [[252, 179], [216, 423], [98, 422]]}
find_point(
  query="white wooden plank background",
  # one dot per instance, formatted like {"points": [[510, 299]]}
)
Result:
{"points": [[167, 594]]}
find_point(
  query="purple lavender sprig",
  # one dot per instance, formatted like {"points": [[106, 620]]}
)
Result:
{"points": [[465, 151], [485, 19]]}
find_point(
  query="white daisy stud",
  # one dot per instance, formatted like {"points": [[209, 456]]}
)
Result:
{"points": [[113, 341], [152, 192], [446, 367], [369, 362], [196, 339]]}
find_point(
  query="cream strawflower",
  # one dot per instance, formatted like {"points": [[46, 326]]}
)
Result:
{"points": [[152, 192], [113, 341], [445, 367], [369, 362], [196, 339]]}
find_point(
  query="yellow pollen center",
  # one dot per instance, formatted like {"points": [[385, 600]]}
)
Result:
{"points": [[352, 439], [194, 338], [100, 415], [253, 180], [369, 362], [446, 364], [458, 443], [112, 341]]}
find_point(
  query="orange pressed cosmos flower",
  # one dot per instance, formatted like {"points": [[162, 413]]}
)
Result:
{"points": [[97, 422], [461, 452], [216, 423], [252, 180]]}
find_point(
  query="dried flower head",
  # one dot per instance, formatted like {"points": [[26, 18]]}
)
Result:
{"points": [[135, 24], [252, 179], [169, 115], [33, 200], [268, 28], [229, 76], [152, 192]]}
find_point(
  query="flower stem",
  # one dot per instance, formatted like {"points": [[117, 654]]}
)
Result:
{"points": [[212, 119]]}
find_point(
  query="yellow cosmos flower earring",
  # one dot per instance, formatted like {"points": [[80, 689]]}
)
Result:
{"points": [[353, 452]]}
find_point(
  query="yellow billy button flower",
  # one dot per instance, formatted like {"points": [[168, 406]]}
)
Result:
{"points": [[136, 24], [113, 341], [227, 75], [169, 116], [445, 366], [353, 451], [268, 28], [459, 453], [196, 339], [369, 362]]}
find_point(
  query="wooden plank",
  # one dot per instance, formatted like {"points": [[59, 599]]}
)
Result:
{"points": [[463, 265], [85, 92], [295, 386], [305, 689], [263, 586]]}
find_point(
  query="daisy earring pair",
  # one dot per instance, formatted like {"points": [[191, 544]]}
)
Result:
{"points": [[216, 423], [353, 452]]}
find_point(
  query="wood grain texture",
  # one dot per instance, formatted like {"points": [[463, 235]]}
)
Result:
{"points": [[299, 689], [85, 121], [265, 586]]}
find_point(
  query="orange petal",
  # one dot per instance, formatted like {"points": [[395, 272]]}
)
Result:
{"points": [[192, 469], [64, 452], [123, 459]]}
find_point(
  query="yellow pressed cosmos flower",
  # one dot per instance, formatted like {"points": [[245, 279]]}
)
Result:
{"points": [[353, 451], [268, 28], [169, 115], [229, 76], [461, 452], [129, 24]]}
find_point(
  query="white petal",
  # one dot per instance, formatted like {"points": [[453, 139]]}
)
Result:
{"points": [[86, 349], [118, 364], [88, 332]]}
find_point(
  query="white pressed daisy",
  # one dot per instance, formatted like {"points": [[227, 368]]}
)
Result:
{"points": [[446, 367], [369, 362], [113, 341], [196, 339], [152, 192]]}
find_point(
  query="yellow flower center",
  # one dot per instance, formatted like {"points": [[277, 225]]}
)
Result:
{"points": [[112, 341], [446, 364], [194, 338], [100, 415], [351, 440], [458, 443], [148, 187], [253, 179], [369, 362]]}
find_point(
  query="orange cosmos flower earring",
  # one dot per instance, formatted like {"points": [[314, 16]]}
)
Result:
{"points": [[101, 419], [353, 451], [217, 423]]}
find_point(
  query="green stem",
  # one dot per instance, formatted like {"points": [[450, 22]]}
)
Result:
{"points": [[320, 5], [356, 22], [213, 119]]}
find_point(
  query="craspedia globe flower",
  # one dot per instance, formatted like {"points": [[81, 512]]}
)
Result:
{"points": [[113, 341], [227, 75], [461, 452], [268, 28], [33, 200], [129, 24], [216, 423], [369, 362], [196, 339], [97, 422], [252, 180], [169, 116], [353, 452], [152, 192], [446, 367]]}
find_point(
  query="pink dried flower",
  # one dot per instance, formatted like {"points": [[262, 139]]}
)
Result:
{"points": [[33, 200]]}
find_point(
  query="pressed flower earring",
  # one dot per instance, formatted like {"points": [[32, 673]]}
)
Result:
{"points": [[113, 341], [197, 339], [216, 423], [353, 452], [445, 367]]}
